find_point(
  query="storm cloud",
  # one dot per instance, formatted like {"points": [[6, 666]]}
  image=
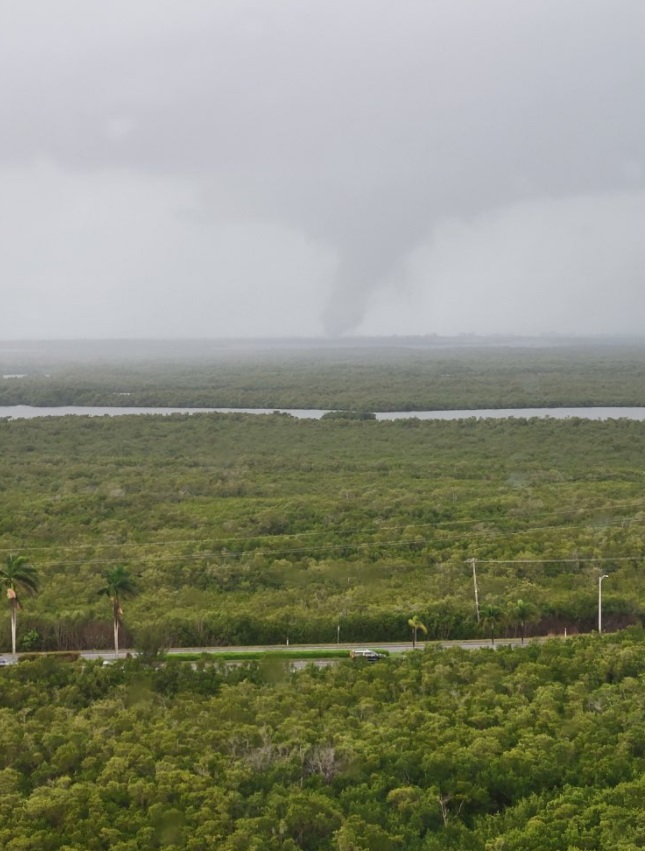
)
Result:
{"points": [[281, 167]]}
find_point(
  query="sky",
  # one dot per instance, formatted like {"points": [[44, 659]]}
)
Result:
{"points": [[266, 168]]}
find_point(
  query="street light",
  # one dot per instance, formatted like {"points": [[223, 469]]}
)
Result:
{"points": [[600, 578]]}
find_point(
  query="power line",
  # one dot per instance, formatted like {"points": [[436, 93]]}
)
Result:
{"points": [[201, 556], [584, 559], [319, 548], [356, 531]]}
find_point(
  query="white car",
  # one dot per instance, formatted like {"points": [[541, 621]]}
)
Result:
{"points": [[369, 655]]}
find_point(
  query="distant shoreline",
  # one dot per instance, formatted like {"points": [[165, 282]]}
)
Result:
{"points": [[16, 412]]}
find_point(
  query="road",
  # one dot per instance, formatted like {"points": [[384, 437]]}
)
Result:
{"points": [[402, 647]]}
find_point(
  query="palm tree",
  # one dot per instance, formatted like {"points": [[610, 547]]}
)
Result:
{"points": [[118, 584], [491, 617], [17, 577], [415, 625], [522, 613]]}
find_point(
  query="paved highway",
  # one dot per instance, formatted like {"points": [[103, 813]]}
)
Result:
{"points": [[403, 647]]}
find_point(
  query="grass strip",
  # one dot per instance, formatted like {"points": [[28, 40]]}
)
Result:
{"points": [[249, 655]]}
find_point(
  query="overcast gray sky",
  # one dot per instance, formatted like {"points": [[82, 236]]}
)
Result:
{"points": [[209, 168]]}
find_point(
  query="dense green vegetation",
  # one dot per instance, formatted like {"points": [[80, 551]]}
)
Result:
{"points": [[235, 529], [242, 529], [533, 749], [402, 375]]}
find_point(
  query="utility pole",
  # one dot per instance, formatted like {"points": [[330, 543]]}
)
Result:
{"points": [[600, 578], [474, 566]]}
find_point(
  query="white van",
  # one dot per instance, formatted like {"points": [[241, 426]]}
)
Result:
{"points": [[369, 655]]}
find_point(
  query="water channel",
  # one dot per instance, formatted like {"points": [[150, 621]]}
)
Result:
{"points": [[16, 412]]}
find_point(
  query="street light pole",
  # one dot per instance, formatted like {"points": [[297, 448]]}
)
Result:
{"points": [[600, 578]]}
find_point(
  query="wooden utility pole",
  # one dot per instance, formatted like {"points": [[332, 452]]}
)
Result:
{"points": [[474, 566]]}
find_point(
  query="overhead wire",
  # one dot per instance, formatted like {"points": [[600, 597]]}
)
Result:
{"points": [[358, 531], [358, 545]]}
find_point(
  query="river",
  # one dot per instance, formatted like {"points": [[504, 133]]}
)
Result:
{"points": [[17, 412]]}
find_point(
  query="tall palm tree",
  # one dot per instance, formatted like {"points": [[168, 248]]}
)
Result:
{"points": [[491, 617], [415, 625], [522, 613], [118, 584], [17, 577]]}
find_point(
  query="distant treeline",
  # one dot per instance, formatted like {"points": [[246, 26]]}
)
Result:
{"points": [[392, 378]]}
